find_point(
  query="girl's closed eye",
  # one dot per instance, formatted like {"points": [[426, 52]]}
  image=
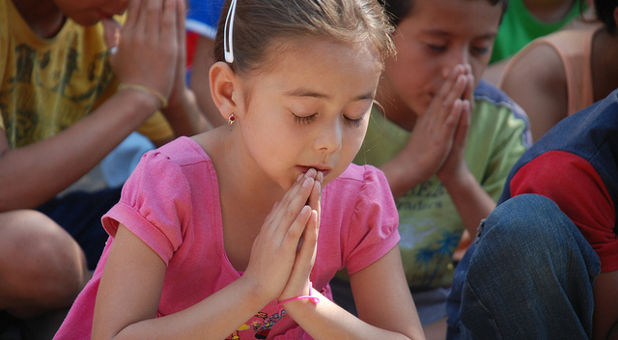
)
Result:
{"points": [[304, 118]]}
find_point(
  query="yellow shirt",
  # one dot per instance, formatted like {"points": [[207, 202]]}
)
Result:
{"points": [[46, 85]]}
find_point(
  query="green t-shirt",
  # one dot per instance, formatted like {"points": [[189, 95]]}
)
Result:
{"points": [[519, 27], [429, 224]]}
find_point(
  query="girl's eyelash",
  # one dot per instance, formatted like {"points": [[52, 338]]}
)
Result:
{"points": [[307, 119]]}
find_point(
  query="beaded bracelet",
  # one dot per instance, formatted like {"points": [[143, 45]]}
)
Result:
{"points": [[313, 299], [144, 89]]}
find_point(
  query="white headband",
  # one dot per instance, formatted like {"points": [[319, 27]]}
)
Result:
{"points": [[228, 47]]}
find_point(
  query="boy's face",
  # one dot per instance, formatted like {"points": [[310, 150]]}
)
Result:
{"points": [[90, 12], [436, 36]]}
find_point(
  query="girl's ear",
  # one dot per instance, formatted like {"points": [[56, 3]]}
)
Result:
{"points": [[223, 81]]}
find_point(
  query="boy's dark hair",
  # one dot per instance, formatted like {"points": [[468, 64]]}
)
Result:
{"points": [[399, 9], [605, 12]]}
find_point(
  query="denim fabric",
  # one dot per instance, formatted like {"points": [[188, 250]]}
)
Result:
{"points": [[528, 275]]}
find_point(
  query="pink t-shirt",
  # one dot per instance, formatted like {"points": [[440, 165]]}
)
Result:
{"points": [[171, 202]]}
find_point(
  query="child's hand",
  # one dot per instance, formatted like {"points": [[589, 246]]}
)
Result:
{"points": [[434, 132], [179, 82], [147, 49], [275, 248], [455, 165], [298, 283]]}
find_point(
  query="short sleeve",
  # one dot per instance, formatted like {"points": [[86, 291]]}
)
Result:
{"points": [[511, 140], [580, 193], [154, 204], [373, 229]]}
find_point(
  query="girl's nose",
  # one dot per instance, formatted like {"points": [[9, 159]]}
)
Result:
{"points": [[329, 137]]}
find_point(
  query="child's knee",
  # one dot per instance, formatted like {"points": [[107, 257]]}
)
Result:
{"points": [[39, 261]]}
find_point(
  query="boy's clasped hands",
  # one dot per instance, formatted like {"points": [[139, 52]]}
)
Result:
{"points": [[439, 137], [284, 251]]}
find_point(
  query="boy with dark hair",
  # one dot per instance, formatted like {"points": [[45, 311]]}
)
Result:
{"points": [[445, 139]]}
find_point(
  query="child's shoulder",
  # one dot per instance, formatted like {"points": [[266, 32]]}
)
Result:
{"points": [[490, 93], [182, 151], [359, 182]]}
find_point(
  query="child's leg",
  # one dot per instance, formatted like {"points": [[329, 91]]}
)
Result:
{"points": [[529, 274], [41, 266]]}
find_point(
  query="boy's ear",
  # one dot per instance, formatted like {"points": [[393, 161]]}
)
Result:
{"points": [[223, 81]]}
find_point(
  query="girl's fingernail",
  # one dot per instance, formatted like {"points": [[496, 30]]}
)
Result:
{"points": [[308, 182]]}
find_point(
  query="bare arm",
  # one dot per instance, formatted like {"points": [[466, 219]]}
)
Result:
{"points": [[146, 55], [536, 81], [605, 302], [384, 304], [33, 174], [128, 311]]}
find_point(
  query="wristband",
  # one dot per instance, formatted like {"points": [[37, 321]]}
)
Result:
{"points": [[313, 299], [144, 89]]}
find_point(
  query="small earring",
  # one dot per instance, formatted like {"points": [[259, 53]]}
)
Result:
{"points": [[231, 119]]}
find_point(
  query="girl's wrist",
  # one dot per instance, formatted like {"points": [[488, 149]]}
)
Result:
{"points": [[310, 296]]}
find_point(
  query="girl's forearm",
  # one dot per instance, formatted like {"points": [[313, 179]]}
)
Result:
{"points": [[326, 320], [215, 317]]}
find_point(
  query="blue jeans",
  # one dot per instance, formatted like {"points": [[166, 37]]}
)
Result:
{"points": [[528, 275]]}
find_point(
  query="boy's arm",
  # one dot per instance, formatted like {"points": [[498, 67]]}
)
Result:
{"points": [[605, 302], [538, 87], [33, 174]]}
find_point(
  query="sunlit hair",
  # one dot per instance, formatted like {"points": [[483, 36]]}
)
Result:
{"points": [[254, 25]]}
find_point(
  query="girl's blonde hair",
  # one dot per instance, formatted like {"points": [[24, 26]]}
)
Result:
{"points": [[259, 23]]}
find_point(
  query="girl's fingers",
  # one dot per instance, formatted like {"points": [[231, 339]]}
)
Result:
{"points": [[316, 196], [288, 208], [296, 228]]}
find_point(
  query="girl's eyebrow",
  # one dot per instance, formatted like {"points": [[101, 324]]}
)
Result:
{"points": [[304, 92]]}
